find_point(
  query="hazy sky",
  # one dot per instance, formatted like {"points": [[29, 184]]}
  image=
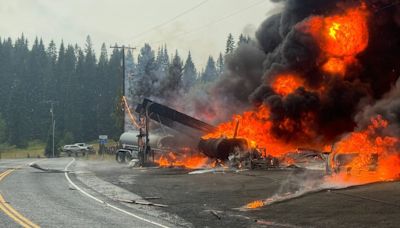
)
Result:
{"points": [[202, 30]]}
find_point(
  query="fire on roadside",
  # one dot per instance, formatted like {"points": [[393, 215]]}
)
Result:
{"points": [[377, 156], [340, 38], [183, 159], [374, 155]]}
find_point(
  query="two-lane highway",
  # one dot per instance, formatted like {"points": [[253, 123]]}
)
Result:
{"points": [[33, 198]]}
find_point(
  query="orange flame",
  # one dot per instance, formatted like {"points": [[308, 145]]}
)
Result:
{"points": [[339, 36], [255, 127], [368, 144], [131, 117], [255, 204], [337, 65], [286, 84], [188, 161]]}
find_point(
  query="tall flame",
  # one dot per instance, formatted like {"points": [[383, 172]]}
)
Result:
{"points": [[367, 145], [340, 37], [256, 128]]}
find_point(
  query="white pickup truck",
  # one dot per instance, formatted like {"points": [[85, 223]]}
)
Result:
{"points": [[77, 148]]}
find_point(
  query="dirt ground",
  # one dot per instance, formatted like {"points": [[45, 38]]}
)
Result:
{"points": [[213, 199]]}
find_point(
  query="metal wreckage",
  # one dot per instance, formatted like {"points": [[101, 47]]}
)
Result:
{"points": [[165, 135]]}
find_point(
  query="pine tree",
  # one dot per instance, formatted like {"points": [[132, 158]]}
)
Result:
{"points": [[243, 39], [210, 73], [71, 113], [129, 63], [19, 118], [52, 52], [230, 44], [146, 74], [220, 64], [173, 82], [189, 73], [162, 63], [104, 96], [89, 122], [3, 130]]}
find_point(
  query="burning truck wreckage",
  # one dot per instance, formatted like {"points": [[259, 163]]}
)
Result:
{"points": [[318, 88]]}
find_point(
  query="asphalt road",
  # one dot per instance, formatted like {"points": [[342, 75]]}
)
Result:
{"points": [[47, 199], [213, 199], [89, 197]]}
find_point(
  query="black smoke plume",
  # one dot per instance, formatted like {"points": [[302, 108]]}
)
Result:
{"points": [[368, 89]]}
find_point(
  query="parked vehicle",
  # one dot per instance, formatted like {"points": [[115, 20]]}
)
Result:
{"points": [[75, 150], [86, 146]]}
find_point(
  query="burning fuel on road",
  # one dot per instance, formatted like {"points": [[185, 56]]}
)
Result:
{"points": [[321, 75], [326, 86]]}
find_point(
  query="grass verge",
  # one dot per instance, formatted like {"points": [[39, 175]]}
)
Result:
{"points": [[35, 149]]}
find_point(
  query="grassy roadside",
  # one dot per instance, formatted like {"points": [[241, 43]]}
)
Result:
{"points": [[35, 149]]}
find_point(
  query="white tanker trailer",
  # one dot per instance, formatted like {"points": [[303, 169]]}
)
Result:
{"points": [[130, 145]]}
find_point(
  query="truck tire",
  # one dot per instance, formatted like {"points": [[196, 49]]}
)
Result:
{"points": [[120, 157], [128, 157], [69, 153]]}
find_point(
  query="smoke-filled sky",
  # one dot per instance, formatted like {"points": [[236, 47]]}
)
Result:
{"points": [[123, 21]]}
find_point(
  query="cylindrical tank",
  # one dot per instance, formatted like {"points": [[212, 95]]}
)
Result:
{"points": [[156, 141], [221, 148]]}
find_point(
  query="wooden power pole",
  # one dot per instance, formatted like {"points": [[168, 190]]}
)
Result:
{"points": [[123, 47]]}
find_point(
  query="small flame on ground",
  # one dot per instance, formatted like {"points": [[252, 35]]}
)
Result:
{"points": [[186, 160], [255, 204]]}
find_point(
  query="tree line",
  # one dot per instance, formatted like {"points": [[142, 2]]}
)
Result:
{"points": [[83, 89], [166, 77]]}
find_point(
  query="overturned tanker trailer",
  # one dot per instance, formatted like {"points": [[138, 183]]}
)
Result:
{"points": [[182, 130], [221, 148]]}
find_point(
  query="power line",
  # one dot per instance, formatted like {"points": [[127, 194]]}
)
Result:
{"points": [[200, 28], [170, 20], [388, 6]]}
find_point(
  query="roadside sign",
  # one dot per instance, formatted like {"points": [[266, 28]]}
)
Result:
{"points": [[103, 139]]}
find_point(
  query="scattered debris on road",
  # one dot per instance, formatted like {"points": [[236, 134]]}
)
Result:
{"points": [[36, 166], [151, 197], [142, 202], [215, 213]]}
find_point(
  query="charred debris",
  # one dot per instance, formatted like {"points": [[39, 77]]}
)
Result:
{"points": [[164, 130]]}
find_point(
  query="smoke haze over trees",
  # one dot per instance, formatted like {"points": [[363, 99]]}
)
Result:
{"points": [[86, 88], [82, 89]]}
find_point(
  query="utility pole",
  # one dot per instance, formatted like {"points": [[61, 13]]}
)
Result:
{"points": [[123, 47], [53, 123]]}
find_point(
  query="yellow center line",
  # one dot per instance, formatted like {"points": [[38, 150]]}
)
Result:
{"points": [[4, 174], [10, 211]]}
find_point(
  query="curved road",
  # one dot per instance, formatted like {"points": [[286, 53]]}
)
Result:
{"points": [[32, 198]]}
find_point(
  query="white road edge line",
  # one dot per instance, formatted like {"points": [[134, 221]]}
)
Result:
{"points": [[107, 204]]}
